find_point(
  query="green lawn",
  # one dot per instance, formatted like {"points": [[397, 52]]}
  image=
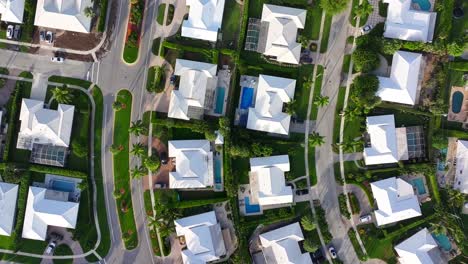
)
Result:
{"points": [[67, 80], [317, 91], [312, 26], [301, 94], [312, 169], [153, 235], [102, 15], [161, 11], [231, 24], [326, 33], [339, 107], [170, 14], [156, 45], [121, 171], [63, 250], [459, 26], [130, 53], [352, 17], [346, 63], [26, 74]]}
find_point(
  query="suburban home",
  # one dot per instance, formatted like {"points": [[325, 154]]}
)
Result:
{"points": [[8, 196], [197, 81], [204, 19], [202, 236], [193, 164], [48, 207], [272, 95], [461, 172], [267, 182], [403, 85], [405, 23], [12, 11], [421, 248], [282, 245], [278, 33], [66, 15], [396, 201]]}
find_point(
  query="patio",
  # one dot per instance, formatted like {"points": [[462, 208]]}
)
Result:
{"points": [[458, 108]]}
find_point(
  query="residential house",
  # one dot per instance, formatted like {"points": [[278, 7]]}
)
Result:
{"points": [[8, 196], [461, 167], [12, 11], [204, 19], [420, 248], [66, 15]]}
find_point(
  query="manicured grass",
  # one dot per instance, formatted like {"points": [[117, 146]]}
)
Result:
{"points": [[26, 74], [346, 63], [102, 15], [170, 14], [317, 91], [460, 25], [231, 24], [63, 250], [312, 168], [130, 53], [161, 11], [67, 80], [156, 45], [301, 94], [326, 33], [121, 171], [153, 234], [338, 109], [312, 26]]}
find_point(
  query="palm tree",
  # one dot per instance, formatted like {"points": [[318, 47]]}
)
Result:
{"points": [[310, 245], [456, 199], [138, 150], [290, 107], [151, 163], [348, 146], [303, 40], [114, 149], [363, 9], [321, 101], [352, 113], [117, 105], [89, 12], [137, 128], [62, 95], [315, 139], [138, 172], [307, 223], [438, 229]]}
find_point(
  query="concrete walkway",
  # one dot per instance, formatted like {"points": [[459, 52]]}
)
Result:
{"points": [[349, 156], [7, 89], [39, 87]]}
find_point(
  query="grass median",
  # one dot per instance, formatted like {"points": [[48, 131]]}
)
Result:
{"points": [[121, 171]]}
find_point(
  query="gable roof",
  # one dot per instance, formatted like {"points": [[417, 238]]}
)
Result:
{"points": [[407, 24], [12, 10], [396, 201], [281, 245], [194, 164], [63, 14], [272, 93], [44, 126], [204, 19], [461, 172], [267, 180], [283, 23], [203, 238], [43, 209], [421, 248], [402, 85], [8, 196], [383, 149], [195, 78]]}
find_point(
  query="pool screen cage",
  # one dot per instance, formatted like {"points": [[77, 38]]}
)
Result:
{"points": [[49, 155], [416, 142], [253, 32]]}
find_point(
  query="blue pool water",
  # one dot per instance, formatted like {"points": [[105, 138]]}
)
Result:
{"points": [[440, 166], [63, 186], [251, 208], [246, 97], [219, 100], [443, 241], [419, 184], [457, 100], [217, 171], [425, 5]]}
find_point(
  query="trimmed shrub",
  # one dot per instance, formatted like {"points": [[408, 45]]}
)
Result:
{"points": [[58, 171]]}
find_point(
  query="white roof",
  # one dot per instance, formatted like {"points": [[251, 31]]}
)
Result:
{"points": [[406, 24], [267, 181], [204, 19], [8, 196], [421, 248], [12, 10], [461, 173], [194, 164], [203, 238], [195, 78], [396, 201], [283, 23], [272, 93], [45, 126], [63, 14], [43, 209], [383, 149], [402, 85], [281, 246]]}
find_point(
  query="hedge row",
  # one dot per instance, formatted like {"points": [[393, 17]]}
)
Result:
{"points": [[21, 208], [12, 105], [322, 222], [195, 125], [458, 66], [354, 202], [213, 54], [357, 248], [58, 171], [343, 207], [195, 203]]}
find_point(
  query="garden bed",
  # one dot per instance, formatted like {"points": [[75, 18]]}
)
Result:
{"points": [[132, 41]]}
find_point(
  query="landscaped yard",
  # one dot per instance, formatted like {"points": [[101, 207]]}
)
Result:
{"points": [[317, 91], [301, 94], [130, 53], [161, 11], [326, 33], [231, 24], [312, 26], [338, 109], [121, 170]]}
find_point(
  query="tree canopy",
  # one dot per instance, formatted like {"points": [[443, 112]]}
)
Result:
{"points": [[365, 60], [333, 7]]}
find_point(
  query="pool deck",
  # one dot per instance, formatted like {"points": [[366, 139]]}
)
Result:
{"points": [[224, 80], [421, 197], [245, 81], [462, 116], [244, 191]]}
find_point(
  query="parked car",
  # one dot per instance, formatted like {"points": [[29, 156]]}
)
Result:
{"points": [[9, 32], [42, 36], [50, 248], [17, 32], [366, 29], [332, 252], [173, 79], [163, 157], [49, 37], [57, 59], [365, 218]]}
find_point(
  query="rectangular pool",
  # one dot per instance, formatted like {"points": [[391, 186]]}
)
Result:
{"points": [[63, 186], [443, 241], [251, 208], [419, 184], [220, 92], [425, 5], [246, 97], [217, 171]]}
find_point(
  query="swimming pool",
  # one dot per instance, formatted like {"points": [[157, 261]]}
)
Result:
{"points": [[251, 208], [246, 97], [425, 5], [419, 184], [220, 92], [457, 101], [217, 171], [443, 241], [63, 186]]}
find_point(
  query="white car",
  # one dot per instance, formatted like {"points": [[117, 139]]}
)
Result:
{"points": [[332, 252], [365, 218], [49, 37], [50, 248], [57, 59], [366, 29], [9, 32]]}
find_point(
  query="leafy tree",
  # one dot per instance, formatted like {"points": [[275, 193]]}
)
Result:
{"points": [[310, 245], [83, 185], [365, 60], [261, 150], [89, 12], [138, 150], [363, 9], [333, 7], [117, 105], [224, 126], [307, 223], [290, 107], [321, 101], [210, 135], [439, 140], [62, 95], [79, 148], [152, 163], [114, 149], [240, 151], [363, 92], [138, 172], [438, 229], [137, 128], [315, 139], [304, 41], [456, 199]]}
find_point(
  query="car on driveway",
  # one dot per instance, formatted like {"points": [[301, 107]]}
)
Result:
{"points": [[17, 32], [9, 32], [163, 157], [50, 248], [366, 29], [365, 218], [57, 59], [49, 37], [332, 252]]}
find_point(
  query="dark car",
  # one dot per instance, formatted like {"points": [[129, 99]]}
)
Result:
{"points": [[317, 256], [42, 36], [55, 237], [163, 157], [302, 192]]}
